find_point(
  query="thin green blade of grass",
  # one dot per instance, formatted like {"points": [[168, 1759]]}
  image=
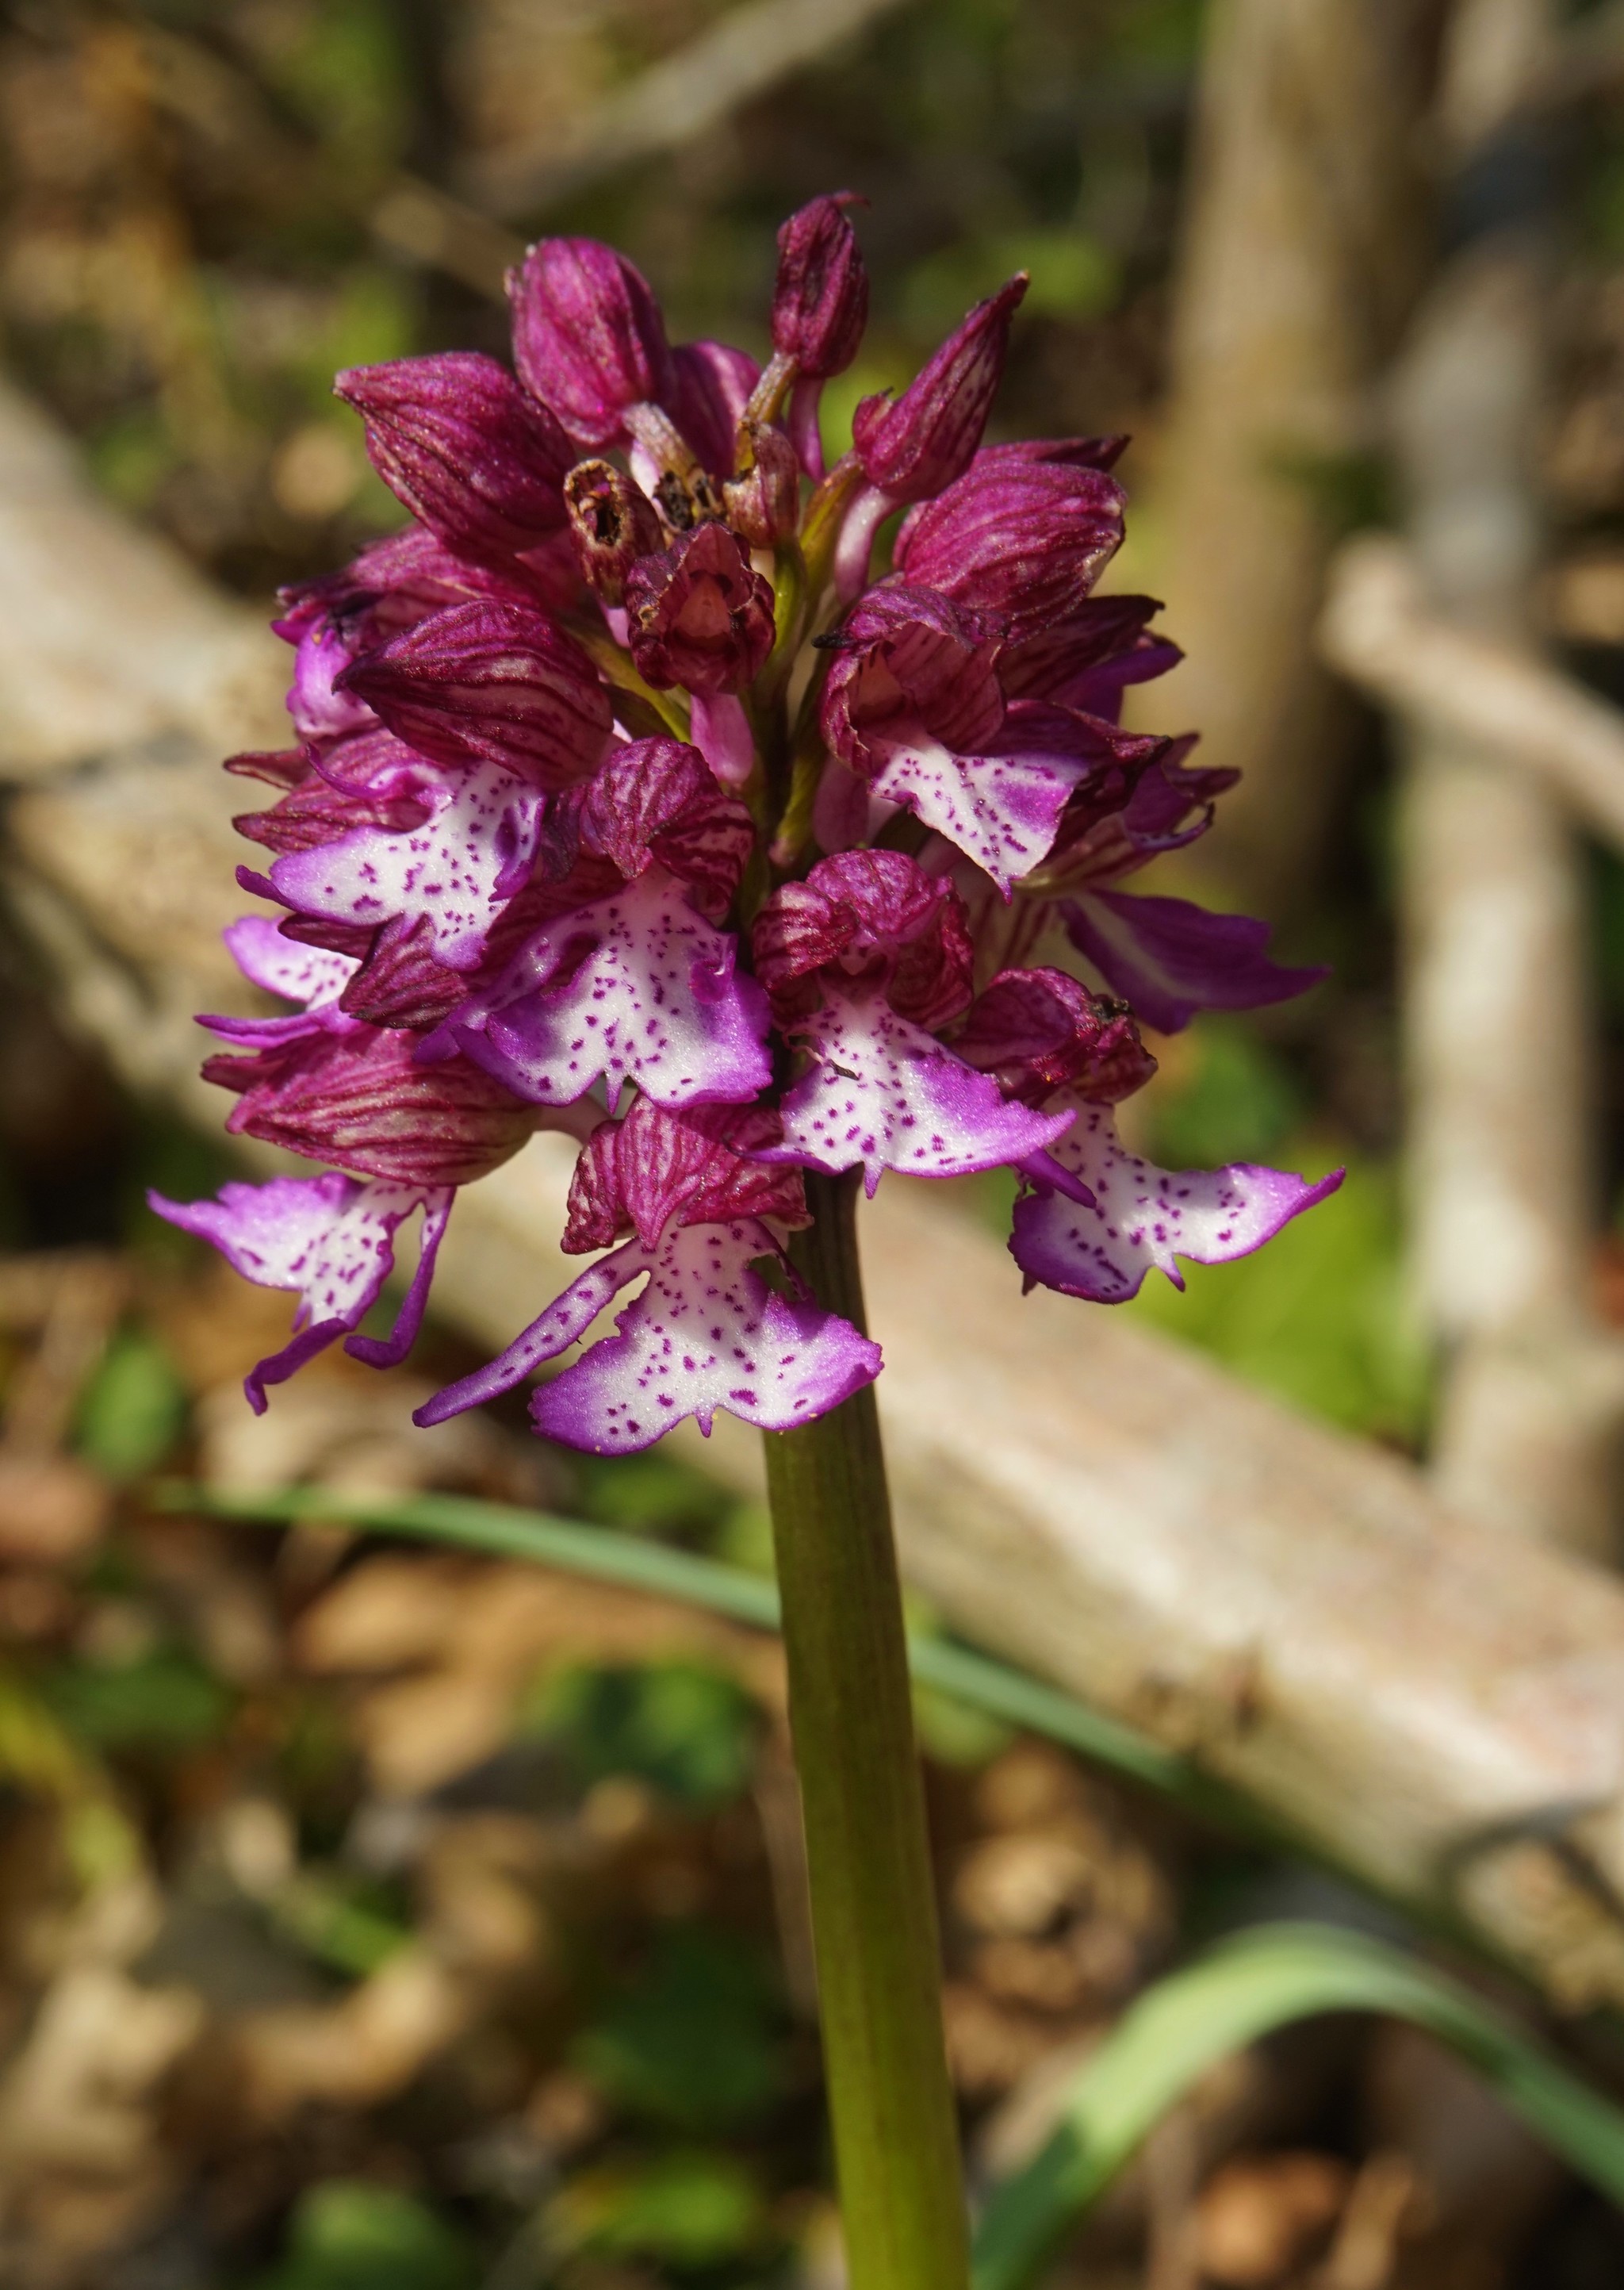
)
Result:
{"points": [[1241, 1990], [638, 1563]]}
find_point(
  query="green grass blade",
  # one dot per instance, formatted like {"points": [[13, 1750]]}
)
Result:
{"points": [[1196, 2017], [635, 1563]]}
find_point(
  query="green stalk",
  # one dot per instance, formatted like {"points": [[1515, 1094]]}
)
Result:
{"points": [[874, 1912]]}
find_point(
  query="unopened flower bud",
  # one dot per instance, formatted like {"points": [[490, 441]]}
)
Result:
{"points": [[471, 455], [611, 523], [763, 502], [913, 448], [699, 614], [821, 303], [588, 337]]}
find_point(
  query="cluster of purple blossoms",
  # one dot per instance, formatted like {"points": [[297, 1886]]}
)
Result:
{"points": [[626, 804]]}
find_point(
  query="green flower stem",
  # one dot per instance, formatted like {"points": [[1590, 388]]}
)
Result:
{"points": [[874, 1912]]}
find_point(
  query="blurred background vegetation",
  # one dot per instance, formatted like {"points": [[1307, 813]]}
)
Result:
{"points": [[509, 1918]]}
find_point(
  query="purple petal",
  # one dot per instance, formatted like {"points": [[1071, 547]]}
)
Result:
{"points": [[820, 300], [1024, 540], [564, 1322], [458, 869], [710, 387], [1170, 959], [1143, 1215], [328, 1238], [707, 1333], [636, 988], [495, 682], [389, 1351], [888, 1095]]}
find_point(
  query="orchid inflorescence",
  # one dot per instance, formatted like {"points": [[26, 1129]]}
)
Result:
{"points": [[625, 803]]}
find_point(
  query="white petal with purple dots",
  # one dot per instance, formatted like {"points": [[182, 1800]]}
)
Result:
{"points": [[468, 857], [707, 1333], [1144, 1216], [331, 1240], [637, 988], [887, 1095]]}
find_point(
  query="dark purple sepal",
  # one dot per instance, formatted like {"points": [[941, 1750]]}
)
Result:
{"points": [[867, 920], [699, 614], [763, 502], [635, 1175], [1023, 542], [468, 451], [363, 1101], [317, 812], [657, 802], [916, 446], [1039, 1031], [710, 389], [588, 337], [1170, 959], [495, 683], [1087, 659]]}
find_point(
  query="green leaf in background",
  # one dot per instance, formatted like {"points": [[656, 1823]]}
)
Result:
{"points": [[1262, 1981], [686, 2209], [653, 1493], [1318, 1318], [161, 1701], [1231, 1098], [1073, 276], [133, 1408], [695, 2041], [687, 1730], [347, 2234]]}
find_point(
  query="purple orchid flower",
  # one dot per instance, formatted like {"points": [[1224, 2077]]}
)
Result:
{"points": [[588, 337], [707, 1332], [864, 960], [699, 614], [819, 310], [639, 986], [331, 1240], [503, 898], [914, 705]]}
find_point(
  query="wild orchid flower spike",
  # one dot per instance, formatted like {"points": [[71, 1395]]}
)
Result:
{"points": [[499, 897], [738, 967]]}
